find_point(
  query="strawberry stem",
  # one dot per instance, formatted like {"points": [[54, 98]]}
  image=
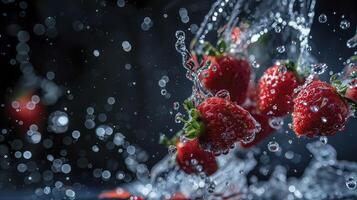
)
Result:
{"points": [[194, 126], [221, 45], [291, 66], [338, 84], [210, 50], [341, 89]]}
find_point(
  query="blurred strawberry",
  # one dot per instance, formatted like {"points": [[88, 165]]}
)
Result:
{"points": [[226, 72], [190, 157], [26, 109], [178, 196], [265, 129], [119, 194]]}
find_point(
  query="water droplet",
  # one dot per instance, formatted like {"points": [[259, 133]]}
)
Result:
{"points": [[344, 24], [178, 117], [172, 149], [323, 119], [120, 3], [351, 43], [277, 29], [273, 146], [126, 46], [314, 109], [351, 183], [180, 34], [318, 68], [224, 94], [162, 83], [176, 105], [96, 53], [276, 122], [281, 49], [194, 162], [323, 139], [322, 18]]}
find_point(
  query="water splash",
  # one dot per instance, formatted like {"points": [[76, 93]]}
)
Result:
{"points": [[351, 43], [270, 30], [324, 178]]}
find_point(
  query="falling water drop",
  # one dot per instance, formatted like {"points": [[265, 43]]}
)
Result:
{"points": [[322, 18], [351, 183], [344, 24], [273, 146], [323, 139]]}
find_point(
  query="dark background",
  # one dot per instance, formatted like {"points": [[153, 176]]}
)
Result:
{"points": [[141, 113]]}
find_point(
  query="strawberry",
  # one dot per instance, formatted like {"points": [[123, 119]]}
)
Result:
{"points": [[190, 157], [27, 109], [235, 36], [226, 72], [219, 123], [351, 93], [276, 89], [265, 128], [262, 119], [319, 110], [178, 196], [119, 194]]}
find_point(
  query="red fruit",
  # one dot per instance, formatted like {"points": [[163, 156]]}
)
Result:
{"points": [[227, 73], [265, 128], [178, 196], [276, 90], [26, 110], [319, 110], [235, 35], [119, 194], [225, 123], [262, 119], [189, 152], [351, 93]]}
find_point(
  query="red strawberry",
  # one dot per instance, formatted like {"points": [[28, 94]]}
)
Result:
{"points": [[276, 89], [351, 93], [178, 196], [219, 123], [265, 128], [190, 157], [119, 194], [236, 34], [319, 110], [227, 73], [27, 109], [262, 119]]}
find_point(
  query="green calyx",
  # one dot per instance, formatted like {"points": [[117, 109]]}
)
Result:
{"points": [[353, 58], [341, 89], [218, 50], [193, 126], [291, 66]]}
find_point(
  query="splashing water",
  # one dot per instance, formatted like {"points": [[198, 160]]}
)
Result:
{"points": [[324, 178], [270, 30]]}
